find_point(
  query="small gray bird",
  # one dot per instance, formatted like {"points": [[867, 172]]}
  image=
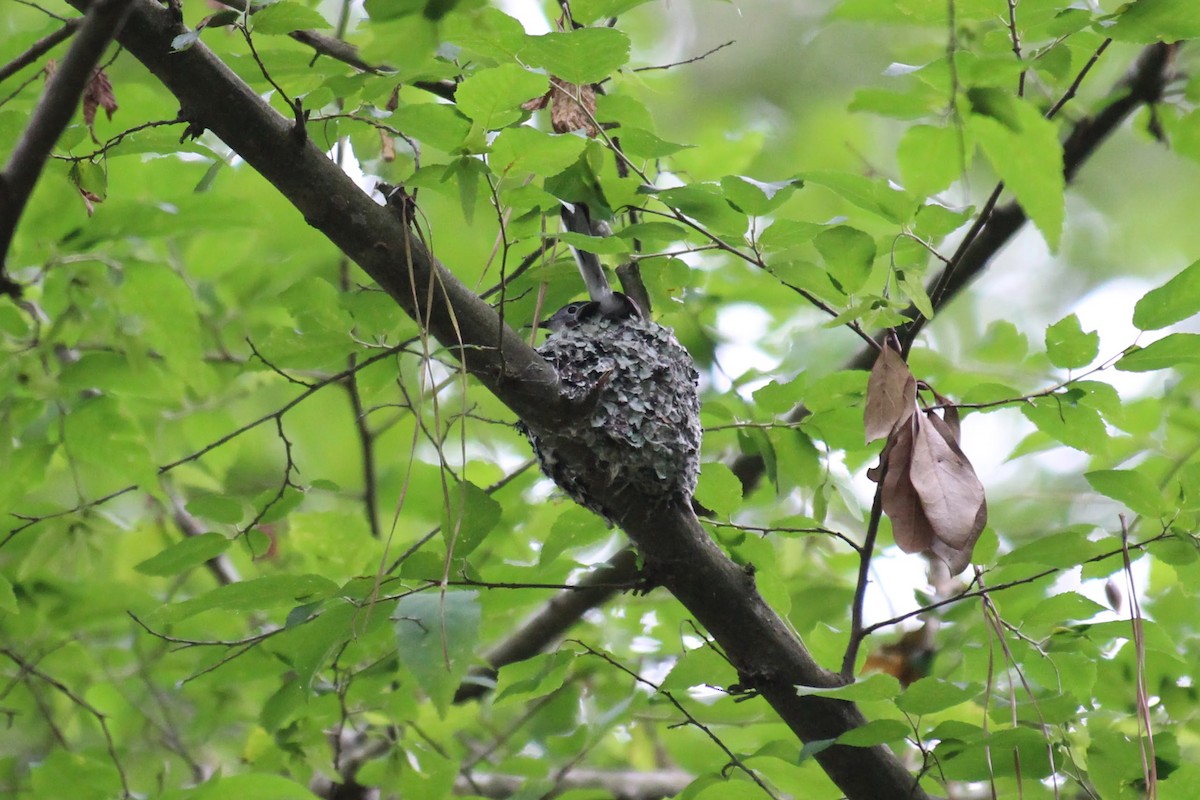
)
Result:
{"points": [[637, 390]]}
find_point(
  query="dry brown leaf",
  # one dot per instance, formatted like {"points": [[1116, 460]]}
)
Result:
{"points": [[572, 107], [950, 414], [89, 200], [950, 493], [910, 526], [891, 395], [98, 94]]}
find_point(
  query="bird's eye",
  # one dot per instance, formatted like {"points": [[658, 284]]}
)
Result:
{"points": [[573, 308]]}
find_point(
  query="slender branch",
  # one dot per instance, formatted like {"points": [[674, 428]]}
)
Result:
{"points": [[691, 60], [101, 719], [691, 719], [864, 577], [39, 48], [1037, 576], [208, 448], [54, 110]]}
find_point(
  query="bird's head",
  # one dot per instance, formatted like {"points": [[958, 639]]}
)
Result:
{"points": [[614, 307]]}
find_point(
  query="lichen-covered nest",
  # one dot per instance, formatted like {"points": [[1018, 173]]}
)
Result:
{"points": [[640, 413]]}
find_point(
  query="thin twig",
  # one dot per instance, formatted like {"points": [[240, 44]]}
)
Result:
{"points": [[864, 575], [734, 760], [77, 699], [691, 60], [39, 48]]}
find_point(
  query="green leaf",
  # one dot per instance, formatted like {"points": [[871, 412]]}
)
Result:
{"points": [[271, 591], [218, 508], [718, 489], [584, 55], [1174, 350], [574, 527], [878, 731], [1146, 21], [1074, 425], [284, 17], [931, 158], [184, 555], [310, 645], [1174, 301], [701, 666], [8, 598], [102, 434], [705, 203], [785, 233], [471, 516], [380, 10], [524, 149], [1067, 345], [492, 97], [754, 197], [848, 253], [1023, 149], [779, 397], [876, 196], [1062, 549], [90, 177], [930, 695], [601, 245], [436, 124], [1130, 487], [1059, 610], [640, 143], [876, 686], [487, 31], [534, 677], [436, 636]]}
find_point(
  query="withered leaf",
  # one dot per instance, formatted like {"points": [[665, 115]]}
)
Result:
{"points": [[950, 415], [98, 94], [572, 107], [950, 493], [911, 527], [891, 394]]}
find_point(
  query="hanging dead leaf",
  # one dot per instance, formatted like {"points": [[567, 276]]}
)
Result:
{"points": [[891, 394], [949, 414], [98, 94], [89, 200], [910, 526], [950, 493], [572, 107]]}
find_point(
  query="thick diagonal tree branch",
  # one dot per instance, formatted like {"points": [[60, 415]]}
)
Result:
{"points": [[720, 594]]}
